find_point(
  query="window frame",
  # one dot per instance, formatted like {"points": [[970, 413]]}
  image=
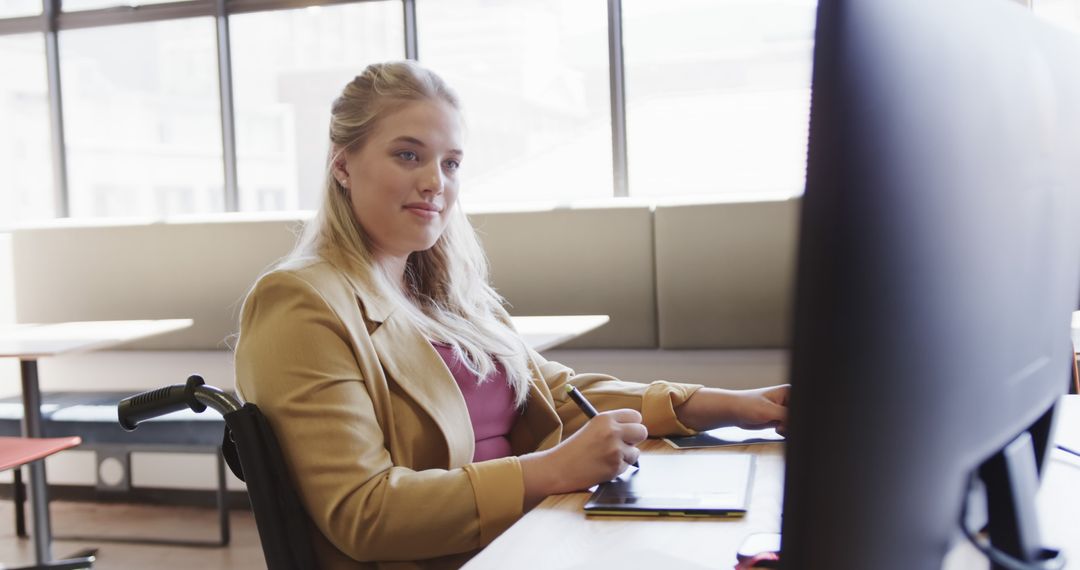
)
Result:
{"points": [[53, 20]]}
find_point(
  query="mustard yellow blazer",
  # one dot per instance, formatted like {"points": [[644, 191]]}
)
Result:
{"points": [[375, 431]]}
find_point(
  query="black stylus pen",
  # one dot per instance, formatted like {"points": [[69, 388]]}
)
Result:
{"points": [[586, 406]]}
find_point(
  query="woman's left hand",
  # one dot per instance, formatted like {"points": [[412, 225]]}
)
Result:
{"points": [[762, 408]]}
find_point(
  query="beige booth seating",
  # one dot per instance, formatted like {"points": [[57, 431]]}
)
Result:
{"points": [[703, 276], [724, 274], [582, 261], [547, 262], [188, 269]]}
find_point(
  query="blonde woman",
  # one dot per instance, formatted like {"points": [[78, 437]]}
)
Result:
{"points": [[416, 424]]}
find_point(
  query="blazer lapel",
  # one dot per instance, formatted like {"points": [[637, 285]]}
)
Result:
{"points": [[409, 360], [539, 427]]}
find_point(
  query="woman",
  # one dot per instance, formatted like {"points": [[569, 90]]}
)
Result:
{"points": [[416, 424]]}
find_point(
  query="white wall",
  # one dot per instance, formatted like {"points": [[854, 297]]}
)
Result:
{"points": [[9, 368]]}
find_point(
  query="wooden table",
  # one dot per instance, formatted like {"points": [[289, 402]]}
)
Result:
{"points": [[1075, 334], [30, 342], [1075, 330], [542, 333], [557, 534]]}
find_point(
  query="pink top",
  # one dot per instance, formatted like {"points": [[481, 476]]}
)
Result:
{"points": [[490, 404]]}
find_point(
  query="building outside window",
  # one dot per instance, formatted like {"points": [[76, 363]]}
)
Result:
{"points": [[26, 177], [288, 66], [533, 78], [16, 8], [141, 111], [81, 5], [718, 95], [1065, 13]]}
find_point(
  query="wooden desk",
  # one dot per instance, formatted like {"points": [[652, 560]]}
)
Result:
{"points": [[1075, 334], [1075, 330], [542, 333], [557, 534], [30, 342]]}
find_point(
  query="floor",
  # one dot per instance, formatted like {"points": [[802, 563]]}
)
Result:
{"points": [[243, 553]]}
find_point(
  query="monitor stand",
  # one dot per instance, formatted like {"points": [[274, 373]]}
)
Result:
{"points": [[1011, 477]]}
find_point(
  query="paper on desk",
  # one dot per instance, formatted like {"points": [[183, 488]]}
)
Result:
{"points": [[725, 436]]}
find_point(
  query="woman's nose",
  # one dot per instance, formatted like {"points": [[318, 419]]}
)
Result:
{"points": [[432, 180]]}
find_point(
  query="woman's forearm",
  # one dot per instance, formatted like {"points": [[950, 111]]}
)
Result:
{"points": [[709, 408], [540, 480], [751, 409]]}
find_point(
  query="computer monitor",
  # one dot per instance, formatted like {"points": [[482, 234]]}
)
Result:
{"points": [[938, 264]]}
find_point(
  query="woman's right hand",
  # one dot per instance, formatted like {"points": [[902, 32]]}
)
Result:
{"points": [[599, 451]]}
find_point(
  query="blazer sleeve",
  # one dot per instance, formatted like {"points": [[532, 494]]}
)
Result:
{"points": [[656, 401], [295, 360]]}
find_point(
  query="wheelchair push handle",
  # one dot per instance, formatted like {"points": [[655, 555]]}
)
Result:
{"points": [[194, 395]]}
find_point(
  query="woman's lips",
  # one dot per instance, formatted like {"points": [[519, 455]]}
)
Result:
{"points": [[423, 211]]}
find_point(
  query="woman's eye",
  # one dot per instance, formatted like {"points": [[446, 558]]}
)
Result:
{"points": [[407, 155], [452, 165]]}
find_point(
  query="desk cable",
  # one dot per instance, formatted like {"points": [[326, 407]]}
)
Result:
{"points": [[1068, 450]]}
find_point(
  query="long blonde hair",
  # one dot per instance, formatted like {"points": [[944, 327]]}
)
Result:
{"points": [[447, 294]]}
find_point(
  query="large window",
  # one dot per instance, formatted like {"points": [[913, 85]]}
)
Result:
{"points": [[26, 178], [14, 8], [142, 120], [715, 98], [1065, 13], [718, 95], [77, 5], [288, 67], [533, 78]]}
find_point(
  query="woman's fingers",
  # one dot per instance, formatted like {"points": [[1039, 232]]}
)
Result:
{"points": [[631, 456], [634, 434], [628, 426], [779, 394], [625, 415], [764, 408]]}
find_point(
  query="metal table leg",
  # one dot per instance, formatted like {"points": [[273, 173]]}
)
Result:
{"points": [[39, 500]]}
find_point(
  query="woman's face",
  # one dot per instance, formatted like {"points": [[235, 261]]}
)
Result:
{"points": [[403, 181]]}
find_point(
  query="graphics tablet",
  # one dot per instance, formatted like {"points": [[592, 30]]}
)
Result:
{"points": [[678, 484]]}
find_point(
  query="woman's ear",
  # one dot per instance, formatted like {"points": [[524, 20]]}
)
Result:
{"points": [[337, 166]]}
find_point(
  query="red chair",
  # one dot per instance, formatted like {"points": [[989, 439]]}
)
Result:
{"points": [[18, 451]]}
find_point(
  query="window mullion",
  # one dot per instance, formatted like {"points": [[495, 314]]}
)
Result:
{"points": [[228, 118], [411, 43], [61, 196], [618, 99]]}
